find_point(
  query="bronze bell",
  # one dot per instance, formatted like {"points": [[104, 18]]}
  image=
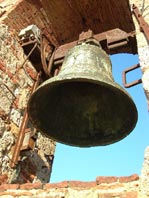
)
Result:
{"points": [[83, 106]]}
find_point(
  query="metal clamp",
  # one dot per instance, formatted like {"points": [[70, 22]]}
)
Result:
{"points": [[136, 82], [144, 26]]}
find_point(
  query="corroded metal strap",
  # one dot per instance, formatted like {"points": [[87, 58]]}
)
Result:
{"points": [[144, 26], [21, 134], [136, 82]]}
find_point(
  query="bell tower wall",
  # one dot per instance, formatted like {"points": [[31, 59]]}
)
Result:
{"points": [[16, 80]]}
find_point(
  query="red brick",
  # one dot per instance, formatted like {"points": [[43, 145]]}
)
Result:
{"points": [[7, 193], [63, 184], [10, 75], [16, 193], [2, 188], [31, 72], [28, 171], [2, 65], [9, 186], [3, 179], [28, 186], [108, 180], [19, 193], [112, 186], [132, 195], [82, 184], [119, 195], [131, 178]]}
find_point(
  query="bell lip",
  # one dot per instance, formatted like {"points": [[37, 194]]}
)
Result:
{"points": [[83, 79]]}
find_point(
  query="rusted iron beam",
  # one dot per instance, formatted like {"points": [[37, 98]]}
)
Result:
{"points": [[136, 82], [113, 36], [31, 51], [21, 134], [144, 26], [47, 58]]}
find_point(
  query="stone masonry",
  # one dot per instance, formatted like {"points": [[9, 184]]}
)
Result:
{"points": [[143, 52], [143, 46], [144, 180], [15, 85], [102, 187]]}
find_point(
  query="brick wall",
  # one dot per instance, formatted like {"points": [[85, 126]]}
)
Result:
{"points": [[15, 84], [103, 187], [19, 14]]}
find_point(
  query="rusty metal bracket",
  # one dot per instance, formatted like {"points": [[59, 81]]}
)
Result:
{"points": [[117, 44], [38, 49], [21, 134], [136, 82], [48, 59], [46, 64], [111, 41], [144, 26], [85, 35], [29, 54]]}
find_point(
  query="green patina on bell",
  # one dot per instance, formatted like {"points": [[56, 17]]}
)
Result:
{"points": [[83, 106]]}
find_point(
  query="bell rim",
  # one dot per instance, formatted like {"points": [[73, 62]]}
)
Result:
{"points": [[93, 81]]}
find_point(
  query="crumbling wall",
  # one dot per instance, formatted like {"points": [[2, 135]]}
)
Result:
{"points": [[16, 82], [143, 52], [103, 187], [142, 43], [144, 179]]}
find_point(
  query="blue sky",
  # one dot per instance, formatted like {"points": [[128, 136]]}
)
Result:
{"points": [[120, 159]]}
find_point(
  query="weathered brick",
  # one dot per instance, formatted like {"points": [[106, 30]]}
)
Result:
{"points": [[131, 178], [31, 72], [7, 194], [9, 186], [28, 186], [3, 179], [24, 194], [63, 184], [119, 195], [101, 179], [81, 184]]}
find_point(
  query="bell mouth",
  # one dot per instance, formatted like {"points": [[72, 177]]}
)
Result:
{"points": [[82, 112]]}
